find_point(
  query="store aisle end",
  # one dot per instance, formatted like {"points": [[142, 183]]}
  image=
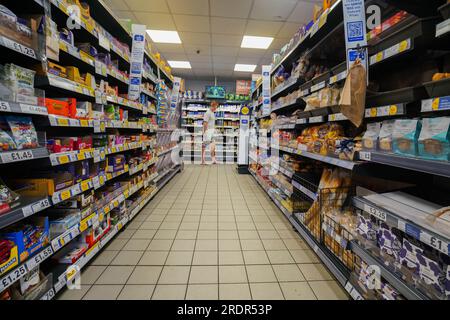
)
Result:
{"points": [[209, 234]]}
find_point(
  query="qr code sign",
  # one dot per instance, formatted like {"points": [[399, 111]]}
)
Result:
{"points": [[355, 31]]}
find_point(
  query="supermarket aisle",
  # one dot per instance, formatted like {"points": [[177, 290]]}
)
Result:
{"points": [[209, 234]]}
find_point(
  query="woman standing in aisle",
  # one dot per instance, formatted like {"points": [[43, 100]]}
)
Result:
{"points": [[209, 124]]}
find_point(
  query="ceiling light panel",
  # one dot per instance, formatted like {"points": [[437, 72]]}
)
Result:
{"points": [[179, 64], [245, 67], [256, 42], [164, 36]]}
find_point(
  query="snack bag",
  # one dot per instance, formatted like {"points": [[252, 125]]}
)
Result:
{"points": [[370, 137], [434, 139], [23, 132], [385, 136], [6, 142], [7, 197]]}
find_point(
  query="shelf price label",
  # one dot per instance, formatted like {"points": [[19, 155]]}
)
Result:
{"points": [[27, 108], [364, 155], [4, 106], [17, 156], [39, 258], [18, 47], [434, 242], [13, 276], [377, 213], [49, 295]]}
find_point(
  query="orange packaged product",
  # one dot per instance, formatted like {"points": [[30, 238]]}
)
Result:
{"points": [[62, 107]]}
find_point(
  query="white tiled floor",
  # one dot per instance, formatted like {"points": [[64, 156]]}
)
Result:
{"points": [[209, 234]]}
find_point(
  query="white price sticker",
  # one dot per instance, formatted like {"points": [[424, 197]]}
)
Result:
{"points": [[17, 156], [4, 106], [12, 277], [41, 205], [49, 295], [364, 155], [377, 213], [26, 108], [18, 47], [434, 242], [39, 258]]}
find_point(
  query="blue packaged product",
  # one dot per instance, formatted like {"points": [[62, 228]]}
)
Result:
{"points": [[434, 139], [405, 136]]}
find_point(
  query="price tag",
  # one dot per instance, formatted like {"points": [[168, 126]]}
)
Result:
{"points": [[12, 277], [39, 258], [63, 159], [84, 186], [17, 156], [18, 47], [97, 126], [65, 195], [434, 242], [373, 112], [83, 226], [104, 42], [4, 106], [49, 295], [404, 45], [62, 122], [364, 155], [98, 97], [377, 213], [26, 108], [41, 205], [96, 182]]}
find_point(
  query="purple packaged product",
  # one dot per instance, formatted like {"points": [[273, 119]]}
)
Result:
{"points": [[388, 292], [408, 256], [447, 282], [67, 36], [388, 241], [431, 273], [366, 228], [86, 47]]}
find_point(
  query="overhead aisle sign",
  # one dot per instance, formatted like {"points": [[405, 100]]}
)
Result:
{"points": [[137, 60], [355, 31]]}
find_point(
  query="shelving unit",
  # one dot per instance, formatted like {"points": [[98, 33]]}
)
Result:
{"points": [[92, 190], [407, 188]]}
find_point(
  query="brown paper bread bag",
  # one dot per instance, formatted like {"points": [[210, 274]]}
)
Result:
{"points": [[353, 97]]}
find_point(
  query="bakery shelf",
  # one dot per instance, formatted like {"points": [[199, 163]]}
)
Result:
{"points": [[299, 184], [440, 168], [436, 104], [167, 151], [27, 207], [438, 88], [23, 155], [299, 103], [414, 229], [16, 107], [286, 172], [403, 95], [280, 186], [407, 291], [287, 87]]}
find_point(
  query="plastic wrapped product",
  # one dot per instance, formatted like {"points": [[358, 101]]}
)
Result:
{"points": [[434, 139], [405, 136], [23, 132], [6, 142], [385, 136], [370, 137], [20, 80], [7, 197]]}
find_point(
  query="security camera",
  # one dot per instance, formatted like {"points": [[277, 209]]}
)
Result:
{"points": [[198, 51]]}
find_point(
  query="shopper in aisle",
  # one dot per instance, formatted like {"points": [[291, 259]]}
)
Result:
{"points": [[209, 124]]}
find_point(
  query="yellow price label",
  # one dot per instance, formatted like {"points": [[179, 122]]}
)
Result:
{"points": [[63, 159], [379, 56], [102, 180], [435, 104], [70, 273], [403, 46], [126, 193], [83, 226], [106, 210], [119, 226], [116, 203], [63, 46], [323, 19], [84, 186], [62, 242], [332, 117], [65, 195], [108, 176], [81, 156], [393, 110], [101, 216], [102, 126], [63, 122], [92, 248], [373, 112], [84, 123]]}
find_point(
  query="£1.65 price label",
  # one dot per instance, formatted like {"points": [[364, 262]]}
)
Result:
{"points": [[17, 156]]}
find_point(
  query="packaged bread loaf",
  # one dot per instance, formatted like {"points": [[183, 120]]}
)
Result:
{"points": [[434, 139], [405, 136], [370, 138], [385, 136]]}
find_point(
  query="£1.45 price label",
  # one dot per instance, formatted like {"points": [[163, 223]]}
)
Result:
{"points": [[4, 106], [17, 156]]}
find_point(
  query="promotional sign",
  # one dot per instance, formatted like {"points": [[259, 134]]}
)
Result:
{"points": [[215, 92], [243, 87], [175, 93], [355, 31], [266, 89], [136, 61], [244, 119]]}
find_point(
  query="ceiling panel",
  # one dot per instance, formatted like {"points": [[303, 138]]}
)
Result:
{"points": [[204, 72], [288, 30], [195, 7], [195, 38], [224, 59], [125, 15], [228, 25], [192, 23], [303, 13], [175, 56], [148, 5], [116, 4], [201, 65], [223, 66], [156, 21], [223, 73], [263, 28], [231, 8], [251, 53], [169, 48], [226, 40], [278, 10], [192, 49], [225, 51], [199, 58]]}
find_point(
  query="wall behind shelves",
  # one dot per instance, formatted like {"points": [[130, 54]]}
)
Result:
{"points": [[199, 85]]}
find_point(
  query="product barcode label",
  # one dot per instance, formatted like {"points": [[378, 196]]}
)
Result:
{"points": [[17, 156]]}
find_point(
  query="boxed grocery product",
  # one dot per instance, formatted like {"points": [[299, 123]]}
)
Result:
{"points": [[408, 255], [116, 163], [9, 255], [63, 220], [32, 286], [73, 252], [30, 237], [8, 198], [385, 135], [17, 29], [432, 273], [18, 79], [370, 137], [405, 136], [98, 230], [434, 139], [62, 107]]}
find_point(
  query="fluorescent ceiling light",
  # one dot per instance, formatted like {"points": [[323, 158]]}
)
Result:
{"points": [[256, 42], [164, 36], [180, 64], [245, 67]]}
